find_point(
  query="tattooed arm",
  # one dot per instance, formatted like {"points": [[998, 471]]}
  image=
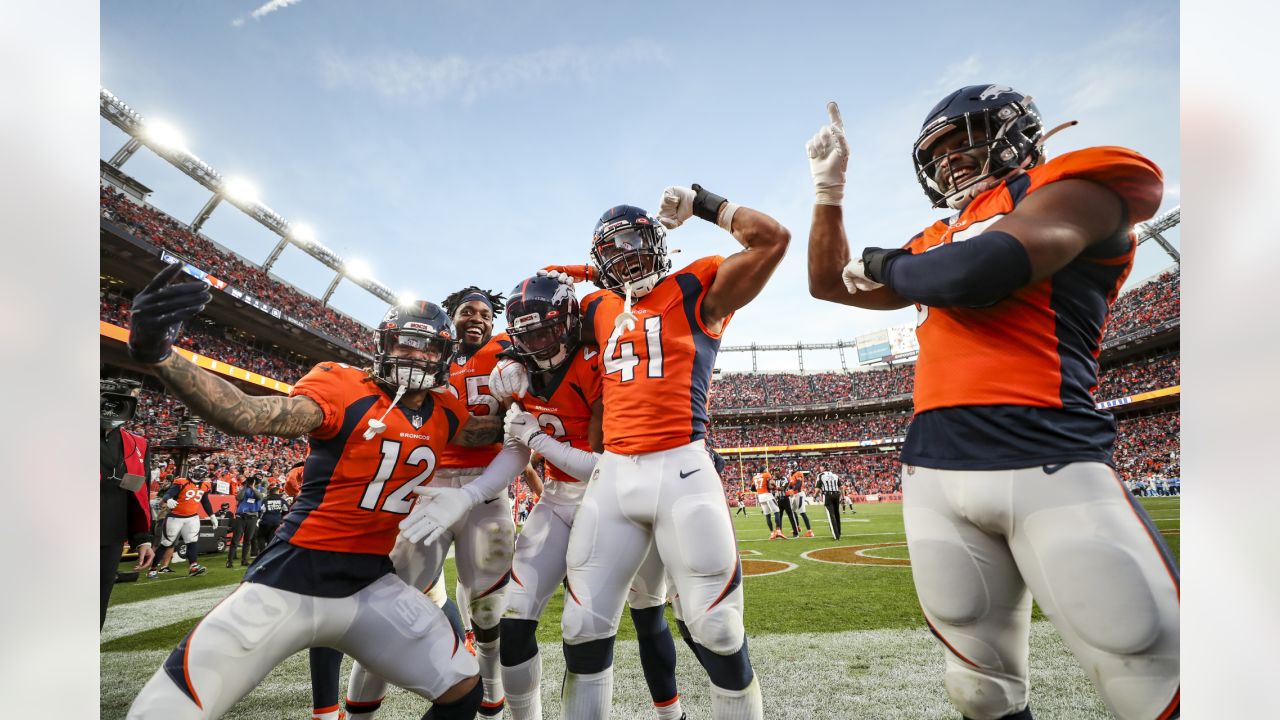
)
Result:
{"points": [[479, 431], [225, 407]]}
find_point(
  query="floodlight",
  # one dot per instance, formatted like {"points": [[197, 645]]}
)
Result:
{"points": [[240, 190], [356, 269], [164, 135], [302, 233], [406, 297]]}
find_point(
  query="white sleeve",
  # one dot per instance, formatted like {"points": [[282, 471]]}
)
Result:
{"points": [[499, 474], [578, 463]]}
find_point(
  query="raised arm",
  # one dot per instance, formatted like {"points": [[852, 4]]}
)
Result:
{"points": [[156, 321], [828, 245], [230, 410], [742, 275]]}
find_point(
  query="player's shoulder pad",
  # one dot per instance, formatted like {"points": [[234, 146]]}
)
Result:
{"points": [[702, 267], [1136, 179]]}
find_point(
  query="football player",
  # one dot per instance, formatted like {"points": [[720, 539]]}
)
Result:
{"points": [[326, 580], [1007, 458], [782, 493], [557, 383], [184, 498], [797, 499], [659, 333], [768, 504], [485, 539]]}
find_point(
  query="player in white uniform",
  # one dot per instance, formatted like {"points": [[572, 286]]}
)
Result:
{"points": [[1008, 492], [655, 482], [556, 383]]}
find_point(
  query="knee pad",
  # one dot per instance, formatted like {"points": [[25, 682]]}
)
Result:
{"points": [[589, 658], [721, 631], [519, 641], [983, 697], [1080, 573], [948, 581], [486, 608], [731, 671]]}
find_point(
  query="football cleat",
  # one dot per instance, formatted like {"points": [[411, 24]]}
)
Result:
{"points": [[166, 569], [809, 534], [470, 642], [197, 569], [152, 574]]}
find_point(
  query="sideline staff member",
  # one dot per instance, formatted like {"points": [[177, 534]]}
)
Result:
{"points": [[126, 501]]}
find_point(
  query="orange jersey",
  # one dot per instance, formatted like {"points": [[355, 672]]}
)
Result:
{"points": [[355, 491], [797, 483], [189, 494], [656, 375], [1039, 346], [293, 482], [565, 413], [761, 482], [469, 380], [1011, 385]]}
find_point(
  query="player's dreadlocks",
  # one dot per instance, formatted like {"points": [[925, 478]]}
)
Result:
{"points": [[497, 300]]}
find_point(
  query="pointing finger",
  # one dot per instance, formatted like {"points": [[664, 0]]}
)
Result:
{"points": [[833, 110], [163, 277]]}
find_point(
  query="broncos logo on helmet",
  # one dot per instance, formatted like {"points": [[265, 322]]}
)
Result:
{"points": [[999, 131], [422, 326], [544, 323]]}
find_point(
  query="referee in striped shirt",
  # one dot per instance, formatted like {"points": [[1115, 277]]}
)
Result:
{"points": [[830, 486]]}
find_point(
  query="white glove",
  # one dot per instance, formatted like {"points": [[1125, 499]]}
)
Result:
{"points": [[171, 503], [561, 277], [855, 278], [676, 206], [213, 520], [828, 159], [508, 379], [438, 509], [520, 425]]}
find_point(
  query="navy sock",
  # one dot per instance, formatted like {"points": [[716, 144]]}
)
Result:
{"points": [[191, 555], [326, 666], [464, 709], [657, 652], [450, 609]]}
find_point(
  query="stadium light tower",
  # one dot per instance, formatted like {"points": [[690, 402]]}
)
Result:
{"points": [[357, 270], [237, 190], [300, 234], [1152, 229]]}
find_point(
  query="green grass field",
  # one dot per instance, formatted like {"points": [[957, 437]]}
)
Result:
{"points": [[827, 641]]}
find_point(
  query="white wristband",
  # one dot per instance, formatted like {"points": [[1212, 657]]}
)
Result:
{"points": [[725, 218], [833, 195]]}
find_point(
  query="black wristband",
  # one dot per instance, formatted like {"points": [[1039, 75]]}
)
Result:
{"points": [[706, 204], [874, 261]]}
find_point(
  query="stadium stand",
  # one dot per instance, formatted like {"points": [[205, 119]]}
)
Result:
{"points": [[150, 224]]}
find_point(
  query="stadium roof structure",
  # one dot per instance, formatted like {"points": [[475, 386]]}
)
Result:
{"points": [[169, 147]]}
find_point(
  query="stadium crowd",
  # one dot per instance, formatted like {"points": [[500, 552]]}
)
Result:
{"points": [[1141, 375], [1145, 306], [150, 224], [810, 430], [1148, 446], [158, 417], [208, 338], [754, 390]]}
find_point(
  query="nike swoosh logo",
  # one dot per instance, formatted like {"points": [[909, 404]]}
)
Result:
{"points": [[588, 354], [486, 502], [1051, 469], [684, 475]]}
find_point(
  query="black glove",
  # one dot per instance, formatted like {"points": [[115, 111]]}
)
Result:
{"points": [[159, 311]]}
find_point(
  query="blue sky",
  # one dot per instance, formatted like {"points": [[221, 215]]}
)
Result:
{"points": [[454, 143]]}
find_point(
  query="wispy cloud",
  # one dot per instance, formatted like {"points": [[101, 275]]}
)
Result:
{"points": [[958, 74], [414, 76], [265, 9]]}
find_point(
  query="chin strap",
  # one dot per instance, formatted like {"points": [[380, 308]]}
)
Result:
{"points": [[377, 426], [1044, 138], [626, 318]]}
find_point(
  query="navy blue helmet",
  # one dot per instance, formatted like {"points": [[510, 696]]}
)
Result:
{"points": [[629, 246], [423, 326], [544, 322], [998, 130]]}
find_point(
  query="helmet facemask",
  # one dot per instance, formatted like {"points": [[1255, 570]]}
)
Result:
{"points": [[412, 372], [631, 253], [545, 345], [998, 141]]}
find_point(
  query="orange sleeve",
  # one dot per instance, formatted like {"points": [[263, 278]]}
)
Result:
{"points": [[590, 379], [705, 270], [1138, 181], [455, 408], [328, 385]]}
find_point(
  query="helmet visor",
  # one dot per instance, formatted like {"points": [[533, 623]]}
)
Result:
{"points": [[629, 254], [432, 346], [542, 340]]}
